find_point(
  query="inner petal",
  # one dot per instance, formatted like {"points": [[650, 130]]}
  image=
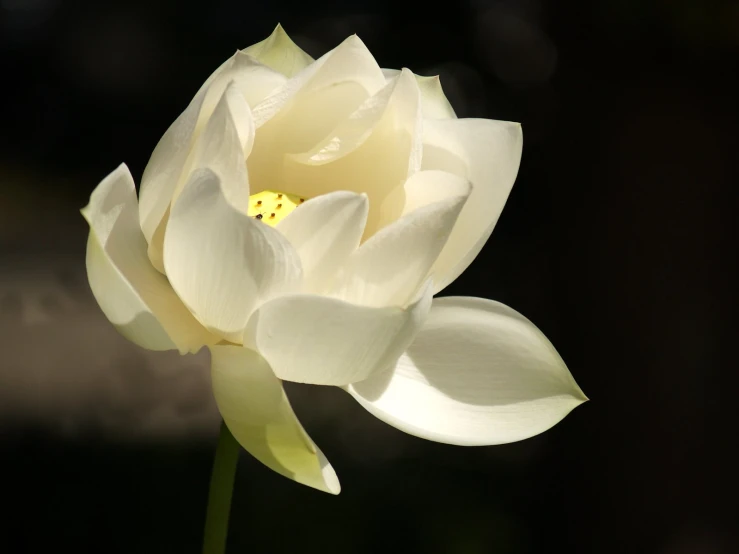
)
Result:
{"points": [[298, 127], [373, 151]]}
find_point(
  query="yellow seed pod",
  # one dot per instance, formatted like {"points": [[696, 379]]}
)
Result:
{"points": [[271, 206]]}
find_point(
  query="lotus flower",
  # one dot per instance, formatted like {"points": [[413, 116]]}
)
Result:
{"points": [[297, 219]]}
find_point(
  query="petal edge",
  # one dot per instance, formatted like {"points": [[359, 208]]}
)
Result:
{"points": [[135, 297], [478, 373], [257, 411]]}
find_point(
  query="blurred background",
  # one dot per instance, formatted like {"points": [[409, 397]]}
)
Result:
{"points": [[616, 241]]}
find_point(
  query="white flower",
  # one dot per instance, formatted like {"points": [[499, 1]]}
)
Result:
{"points": [[395, 197]]}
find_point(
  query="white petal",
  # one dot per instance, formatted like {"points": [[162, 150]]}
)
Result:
{"points": [[374, 150], [256, 81], [325, 231], [221, 146], [427, 187], [135, 297], [433, 100], [258, 414], [163, 171], [487, 153], [478, 373], [435, 103], [306, 109], [351, 61], [221, 262], [392, 264], [297, 128], [224, 144], [279, 52], [397, 101], [168, 168], [325, 341]]}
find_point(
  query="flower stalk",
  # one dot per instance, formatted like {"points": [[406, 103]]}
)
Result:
{"points": [[221, 490]]}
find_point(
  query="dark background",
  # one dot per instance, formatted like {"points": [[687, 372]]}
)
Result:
{"points": [[616, 241]]}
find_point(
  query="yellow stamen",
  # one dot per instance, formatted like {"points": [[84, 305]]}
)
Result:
{"points": [[271, 207]]}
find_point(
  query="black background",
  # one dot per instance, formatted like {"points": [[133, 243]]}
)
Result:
{"points": [[618, 241]]}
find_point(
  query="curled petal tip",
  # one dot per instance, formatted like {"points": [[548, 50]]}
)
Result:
{"points": [[354, 39]]}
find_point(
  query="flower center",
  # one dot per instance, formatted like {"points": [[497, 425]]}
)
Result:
{"points": [[271, 206]]}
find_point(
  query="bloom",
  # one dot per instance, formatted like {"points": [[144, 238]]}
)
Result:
{"points": [[297, 219]]}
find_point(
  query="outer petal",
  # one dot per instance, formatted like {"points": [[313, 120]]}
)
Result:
{"points": [[163, 171], [132, 294], [388, 269], [221, 262], [168, 166], [223, 145], [478, 373], [279, 52], [487, 153], [258, 414], [325, 231], [325, 341], [433, 100]]}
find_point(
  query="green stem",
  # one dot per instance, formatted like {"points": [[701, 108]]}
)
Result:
{"points": [[221, 489]]}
